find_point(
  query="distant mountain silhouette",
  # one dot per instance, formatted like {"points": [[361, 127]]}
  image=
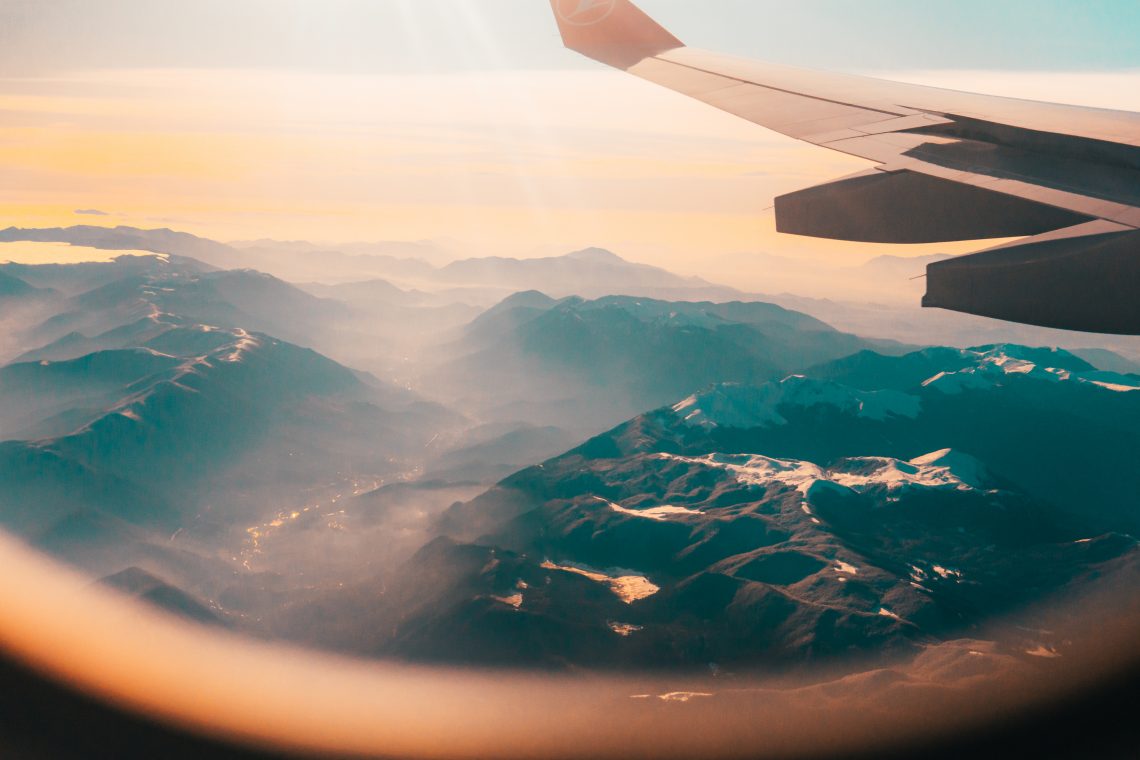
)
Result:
{"points": [[492, 451], [1108, 360], [148, 588], [878, 299], [591, 272], [125, 239], [13, 287], [73, 279], [594, 362], [156, 415], [166, 293], [899, 267]]}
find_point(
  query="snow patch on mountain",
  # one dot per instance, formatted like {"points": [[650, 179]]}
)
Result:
{"points": [[940, 469], [993, 365], [657, 514], [625, 584], [245, 342], [624, 630], [514, 600], [756, 469], [1113, 384], [945, 469], [955, 465], [747, 406]]}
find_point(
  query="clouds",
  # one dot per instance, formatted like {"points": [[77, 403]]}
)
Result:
{"points": [[509, 159], [508, 162]]}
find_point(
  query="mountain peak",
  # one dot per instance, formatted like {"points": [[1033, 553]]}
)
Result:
{"points": [[1056, 358], [14, 286], [528, 298], [961, 466], [599, 255]]}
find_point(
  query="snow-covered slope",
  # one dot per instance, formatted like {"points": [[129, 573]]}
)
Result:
{"points": [[746, 406], [990, 366], [944, 469]]}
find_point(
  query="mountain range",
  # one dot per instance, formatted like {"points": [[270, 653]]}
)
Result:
{"points": [[395, 471], [116, 301], [785, 523], [578, 364], [479, 281], [153, 413], [14, 288], [878, 299], [196, 404]]}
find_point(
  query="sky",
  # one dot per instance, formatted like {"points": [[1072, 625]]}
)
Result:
{"points": [[344, 120]]}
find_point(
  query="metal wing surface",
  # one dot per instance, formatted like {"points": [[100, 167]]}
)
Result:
{"points": [[948, 165]]}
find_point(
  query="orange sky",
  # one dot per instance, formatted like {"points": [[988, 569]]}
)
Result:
{"points": [[505, 162]]}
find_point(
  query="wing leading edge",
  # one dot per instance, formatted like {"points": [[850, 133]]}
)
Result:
{"points": [[949, 166]]}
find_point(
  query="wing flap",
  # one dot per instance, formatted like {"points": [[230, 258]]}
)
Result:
{"points": [[951, 166], [1080, 160], [1048, 280], [908, 207]]}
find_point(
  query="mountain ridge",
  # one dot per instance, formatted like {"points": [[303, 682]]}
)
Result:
{"points": [[804, 528]]}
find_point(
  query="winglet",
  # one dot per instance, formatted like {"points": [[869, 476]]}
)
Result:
{"points": [[615, 32]]}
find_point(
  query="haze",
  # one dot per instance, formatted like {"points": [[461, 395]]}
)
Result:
{"points": [[467, 122]]}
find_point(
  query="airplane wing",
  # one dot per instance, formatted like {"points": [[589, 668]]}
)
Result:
{"points": [[948, 166]]}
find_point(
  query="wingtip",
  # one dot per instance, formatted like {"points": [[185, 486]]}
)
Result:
{"points": [[614, 32]]}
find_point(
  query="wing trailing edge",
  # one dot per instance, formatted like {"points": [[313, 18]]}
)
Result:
{"points": [[949, 166]]}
